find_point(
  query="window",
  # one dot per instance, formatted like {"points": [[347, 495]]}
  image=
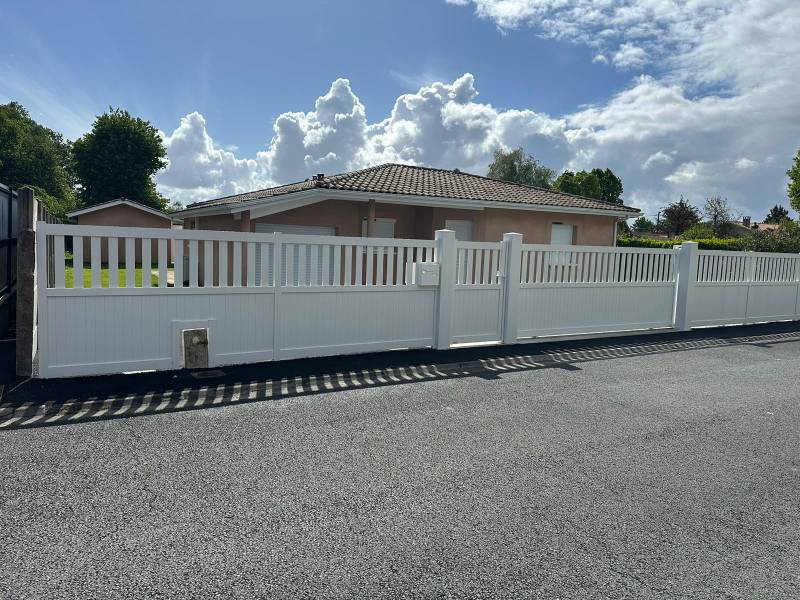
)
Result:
{"points": [[463, 229], [382, 228], [562, 235]]}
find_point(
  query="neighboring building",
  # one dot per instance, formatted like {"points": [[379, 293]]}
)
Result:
{"points": [[404, 201], [122, 213]]}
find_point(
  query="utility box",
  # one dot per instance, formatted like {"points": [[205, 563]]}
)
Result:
{"points": [[426, 274], [195, 348]]}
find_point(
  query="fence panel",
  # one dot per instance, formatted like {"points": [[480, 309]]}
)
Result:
{"points": [[584, 289], [732, 288], [126, 314]]}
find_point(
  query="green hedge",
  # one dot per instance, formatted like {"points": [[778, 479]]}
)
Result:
{"points": [[709, 244]]}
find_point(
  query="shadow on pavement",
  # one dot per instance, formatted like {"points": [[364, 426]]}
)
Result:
{"points": [[36, 403]]}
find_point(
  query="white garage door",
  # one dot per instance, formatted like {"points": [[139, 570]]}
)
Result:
{"points": [[290, 229]]}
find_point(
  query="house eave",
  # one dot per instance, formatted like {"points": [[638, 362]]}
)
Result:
{"points": [[273, 205]]}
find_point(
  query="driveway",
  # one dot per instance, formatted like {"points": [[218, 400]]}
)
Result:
{"points": [[672, 472]]}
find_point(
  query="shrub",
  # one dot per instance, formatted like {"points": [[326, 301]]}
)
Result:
{"points": [[703, 244]]}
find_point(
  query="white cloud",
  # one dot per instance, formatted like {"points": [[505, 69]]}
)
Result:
{"points": [[717, 116], [199, 169]]}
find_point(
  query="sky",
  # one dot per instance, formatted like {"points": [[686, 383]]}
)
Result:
{"points": [[678, 97]]}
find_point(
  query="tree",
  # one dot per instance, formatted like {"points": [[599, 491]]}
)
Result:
{"points": [[579, 184], [777, 214], [794, 183], [698, 231], [516, 166], [118, 158], [33, 155], [678, 217], [719, 215], [610, 185], [643, 224]]}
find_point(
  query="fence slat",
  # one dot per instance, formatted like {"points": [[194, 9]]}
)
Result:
{"points": [[113, 262], [162, 263], [130, 262], [359, 264], [369, 275], [348, 265], [77, 261], [326, 265], [222, 252], [194, 262], [177, 263], [208, 263], [251, 264], [264, 250], [58, 258], [147, 263], [379, 266], [237, 264]]}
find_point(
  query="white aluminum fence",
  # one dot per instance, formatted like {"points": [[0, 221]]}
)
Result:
{"points": [[565, 290], [744, 287], [276, 296]]}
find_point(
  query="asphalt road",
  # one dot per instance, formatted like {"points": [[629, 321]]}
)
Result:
{"points": [[662, 475]]}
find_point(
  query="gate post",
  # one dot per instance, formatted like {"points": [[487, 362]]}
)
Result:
{"points": [[687, 278], [512, 248], [27, 301], [446, 257]]}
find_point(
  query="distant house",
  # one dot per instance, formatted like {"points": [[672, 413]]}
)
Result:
{"points": [[404, 201], [122, 213]]}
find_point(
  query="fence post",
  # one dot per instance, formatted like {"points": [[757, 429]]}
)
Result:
{"points": [[27, 301], [446, 257], [512, 248], [687, 278]]}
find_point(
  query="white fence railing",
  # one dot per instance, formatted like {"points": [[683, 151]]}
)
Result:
{"points": [[122, 300]]}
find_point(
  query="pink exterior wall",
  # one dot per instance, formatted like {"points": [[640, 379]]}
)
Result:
{"points": [[122, 215], [420, 222]]}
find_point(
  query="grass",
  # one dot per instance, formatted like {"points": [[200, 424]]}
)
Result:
{"points": [[69, 277]]}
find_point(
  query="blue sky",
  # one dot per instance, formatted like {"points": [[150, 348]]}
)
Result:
{"points": [[659, 91]]}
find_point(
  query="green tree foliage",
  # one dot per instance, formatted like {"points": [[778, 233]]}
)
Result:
{"points": [[777, 214], [118, 158], [644, 224], [581, 183], [785, 239], [516, 166], [32, 155], [698, 231], [678, 217], [794, 183], [610, 185], [719, 215]]}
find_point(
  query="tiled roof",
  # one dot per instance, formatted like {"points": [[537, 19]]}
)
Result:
{"points": [[424, 181]]}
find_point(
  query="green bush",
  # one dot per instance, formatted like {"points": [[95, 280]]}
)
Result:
{"points": [[703, 244]]}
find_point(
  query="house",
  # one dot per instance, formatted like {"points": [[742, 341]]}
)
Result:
{"points": [[122, 213], [404, 201]]}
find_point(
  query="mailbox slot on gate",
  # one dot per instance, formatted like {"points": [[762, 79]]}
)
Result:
{"points": [[426, 273]]}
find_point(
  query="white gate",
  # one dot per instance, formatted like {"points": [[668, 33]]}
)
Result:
{"points": [[478, 300]]}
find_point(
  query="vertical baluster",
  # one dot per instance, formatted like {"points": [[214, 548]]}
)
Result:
{"points": [[58, 257], [337, 265], [251, 264], [348, 265], [77, 261], [398, 265], [326, 264], [177, 262], [368, 276], [222, 257], [389, 265], [162, 262], [359, 264], [130, 262], [379, 266], [147, 263], [208, 263], [265, 248], [113, 262], [470, 273], [194, 262]]}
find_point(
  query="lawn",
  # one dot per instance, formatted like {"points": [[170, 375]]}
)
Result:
{"points": [[69, 277]]}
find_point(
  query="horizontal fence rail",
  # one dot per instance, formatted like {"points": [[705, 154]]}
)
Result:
{"points": [[117, 299]]}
